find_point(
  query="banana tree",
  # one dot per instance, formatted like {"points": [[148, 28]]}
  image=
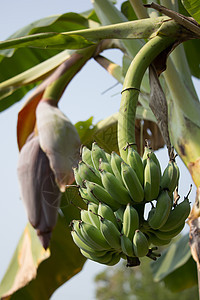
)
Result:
{"points": [[159, 102]]}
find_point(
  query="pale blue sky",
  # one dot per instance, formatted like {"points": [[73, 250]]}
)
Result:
{"points": [[82, 99]]}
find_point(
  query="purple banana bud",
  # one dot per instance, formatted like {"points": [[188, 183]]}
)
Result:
{"points": [[60, 141], [39, 191]]}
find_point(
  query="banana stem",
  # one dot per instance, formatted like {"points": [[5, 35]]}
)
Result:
{"points": [[131, 90], [65, 72]]}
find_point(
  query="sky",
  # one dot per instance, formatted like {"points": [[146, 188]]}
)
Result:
{"points": [[83, 98]]}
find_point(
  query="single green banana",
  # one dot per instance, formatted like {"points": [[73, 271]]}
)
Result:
{"points": [[96, 154], [105, 166], [108, 156], [116, 190], [81, 244], [140, 244], [115, 259], [132, 183], [91, 234], [93, 214], [135, 162], [116, 161], [177, 216], [106, 212], [87, 197], [105, 259], [170, 177], [101, 195], [151, 213], [119, 213], [149, 153], [166, 235], [127, 246], [110, 233], [85, 216], [130, 221], [77, 177], [153, 239], [77, 227], [162, 211], [86, 172], [151, 180], [86, 156]]}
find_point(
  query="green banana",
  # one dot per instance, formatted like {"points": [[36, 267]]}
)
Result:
{"points": [[116, 161], [93, 236], [86, 172], [85, 216], [167, 235], [140, 244], [132, 183], [135, 162], [93, 214], [96, 154], [130, 221], [110, 233], [151, 180], [105, 166], [86, 156], [149, 153], [113, 186], [101, 195], [105, 259], [119, 213], [162, 211], [127, 246], [108, 156], [153, 239], [77, 227], [177, 216], [80, 243], [170, 177], [77, 177], [87, 196], [114, 260], [107, 213], [151, 213]]}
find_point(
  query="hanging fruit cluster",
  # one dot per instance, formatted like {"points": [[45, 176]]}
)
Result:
{"points": [[116, 192]]}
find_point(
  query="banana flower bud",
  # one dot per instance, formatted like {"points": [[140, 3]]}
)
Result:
{"points": [[45, 167]]}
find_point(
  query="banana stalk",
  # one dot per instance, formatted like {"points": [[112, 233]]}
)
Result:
{"points": [[131, 90]]}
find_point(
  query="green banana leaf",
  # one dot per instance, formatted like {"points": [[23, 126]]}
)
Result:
{"points": [[27, 276], [17, 61], [193, 8], [176, 266]]}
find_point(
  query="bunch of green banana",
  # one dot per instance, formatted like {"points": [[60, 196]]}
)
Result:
{"points": [[116, 192], [170, 223]]}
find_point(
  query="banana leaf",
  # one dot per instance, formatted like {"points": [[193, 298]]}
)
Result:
{"points": [[16, 61], [192, 6], [176, 266]]}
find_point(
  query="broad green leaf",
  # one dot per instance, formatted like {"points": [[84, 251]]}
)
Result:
{"points": [[176, 266], [78, 39], [31, 265], [33, 74], [182, 278], [193, 8], [16, 61], [192, 52]]}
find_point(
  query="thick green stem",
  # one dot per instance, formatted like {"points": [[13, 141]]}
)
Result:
{"points": [[131, 89], [65, 72]]}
